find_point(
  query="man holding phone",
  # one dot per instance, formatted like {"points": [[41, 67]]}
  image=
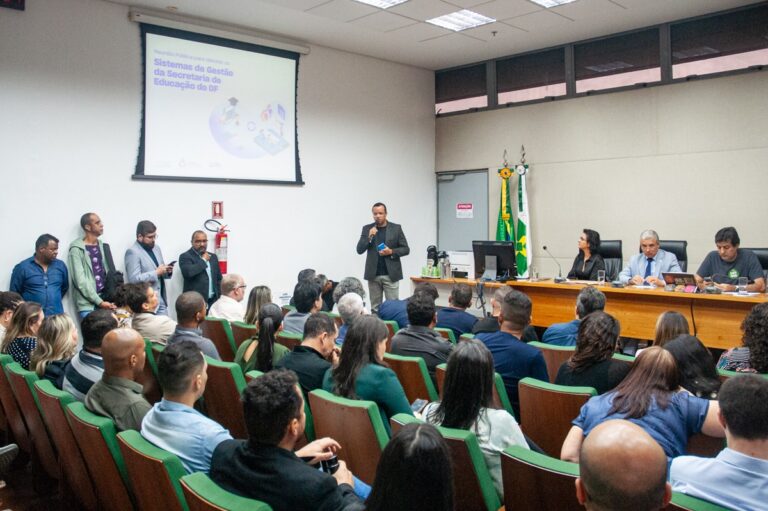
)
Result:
{"points": [[144, 263], [385, 244]]}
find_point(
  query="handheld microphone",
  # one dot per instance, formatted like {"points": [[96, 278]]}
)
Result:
{"points": [[559, 277]]}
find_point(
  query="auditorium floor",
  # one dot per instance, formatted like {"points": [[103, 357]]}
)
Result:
{"points": [[18, 493]]}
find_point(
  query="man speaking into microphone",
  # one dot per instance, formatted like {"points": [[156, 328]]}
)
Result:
{"points": [[386, 244]]}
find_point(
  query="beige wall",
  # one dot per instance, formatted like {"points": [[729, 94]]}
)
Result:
{"points": [[684, 159]]}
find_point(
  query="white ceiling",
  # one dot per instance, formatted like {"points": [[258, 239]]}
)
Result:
{"points": [[400, 34]]}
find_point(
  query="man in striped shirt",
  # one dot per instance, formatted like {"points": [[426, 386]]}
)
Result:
{"points": [[87, 366]]}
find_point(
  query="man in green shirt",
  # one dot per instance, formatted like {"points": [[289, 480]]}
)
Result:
{"points": [[118, 394]]}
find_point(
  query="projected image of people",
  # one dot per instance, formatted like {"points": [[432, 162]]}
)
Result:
{"points": [[245, 134]]}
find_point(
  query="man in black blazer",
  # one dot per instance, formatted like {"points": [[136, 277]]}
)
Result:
{"points": [[385, 244], [201, 269], [266, 468]]}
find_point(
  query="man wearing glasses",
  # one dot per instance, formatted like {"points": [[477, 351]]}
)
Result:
{"points": [[144, 263], [229, 306]]}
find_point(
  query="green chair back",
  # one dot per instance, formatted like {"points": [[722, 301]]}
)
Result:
{"points": [[288, 339], [154, 474], [356, 425], [335, 316], [466, 337], [52, 403], [472, 484], [446, 333], [546, 411], [11, 408], [500, 397], [682, 502], [97, 439], [242, 331], [536, 482], [222, 396], [392, 329], [624, 358], [413, 375], [554, 356], [219, 331], [22, 383], [724, 375], [152, 391], [202, 494]]}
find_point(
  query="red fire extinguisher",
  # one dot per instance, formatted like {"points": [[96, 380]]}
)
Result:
{"points": [[220, 243]]}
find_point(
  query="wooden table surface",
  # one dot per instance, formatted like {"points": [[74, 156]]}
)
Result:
{"points": [[715, 319]]}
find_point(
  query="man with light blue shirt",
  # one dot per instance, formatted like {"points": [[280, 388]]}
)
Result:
{"points": [[738, 477], [590, 299], [647, 266], [173, 424]]}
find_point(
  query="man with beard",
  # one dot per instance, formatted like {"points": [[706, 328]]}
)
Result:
{"points": [[200, 269], [144, 263]]}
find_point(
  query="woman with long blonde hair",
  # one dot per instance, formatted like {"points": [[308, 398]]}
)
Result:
{"points": [[56, 344]]}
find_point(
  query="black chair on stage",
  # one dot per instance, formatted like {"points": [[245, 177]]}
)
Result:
{"points": [[679, 248], [613, 257]]}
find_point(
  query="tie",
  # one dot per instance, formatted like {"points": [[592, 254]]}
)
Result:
{"points": [[648, 268]]}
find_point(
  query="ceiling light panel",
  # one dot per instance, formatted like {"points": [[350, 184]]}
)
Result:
{"points": [[382, 4], [461, 20], [551, 3]]}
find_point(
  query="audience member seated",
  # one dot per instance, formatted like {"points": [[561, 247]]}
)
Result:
{"points": [[348, 285], [513, 359], [117, 394], [418, 339], [695, 365], [306, 297], [142, 300], [490, 323], [589, 300], [592, 364], [622, 467], [326, 291], [669, 325], [397, 310], [316, 353], [173, 424], [87, 366], [259, 296], [466, 404], [738, 477], [305, 275], [362, 372], [589, 261], [651, 397], [414, 472], [647, 266], [350, 308], [122, 312], [266, 468], [190, 311], [21, 337], [261, 352], [726, 264], [753, 356], [229, 305], [56, 344], [9, 301], [455, 316]]}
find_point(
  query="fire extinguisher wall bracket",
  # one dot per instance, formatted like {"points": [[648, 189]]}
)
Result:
{"points": [[221, 242]]}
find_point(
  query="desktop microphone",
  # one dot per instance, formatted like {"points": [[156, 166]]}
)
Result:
{"points": [[559, 277]]}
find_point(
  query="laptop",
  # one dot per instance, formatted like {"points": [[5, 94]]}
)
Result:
{"points": [[687, 280]]}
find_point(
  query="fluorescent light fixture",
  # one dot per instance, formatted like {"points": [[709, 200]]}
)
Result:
{"points": [[382, 4], [610, 66], [551, 3], [461, 20]]}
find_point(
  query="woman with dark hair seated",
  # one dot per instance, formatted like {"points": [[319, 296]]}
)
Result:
{"points": [[696, 366], [362, 372], [753, 356], [651, 397], [589, 261], [593, 365], [670, 325], [414, 472], [466, 404], [262, 351]]}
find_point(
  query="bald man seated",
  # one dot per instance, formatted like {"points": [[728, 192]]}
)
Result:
{"points": [[118, 394], [622, 467]]}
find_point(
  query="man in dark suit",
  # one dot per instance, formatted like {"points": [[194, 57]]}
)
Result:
{"points": [[200, 269], [385, 244], [266, 468]]}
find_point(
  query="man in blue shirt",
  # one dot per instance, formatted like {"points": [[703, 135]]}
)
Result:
{"points": [[738, 477], [647, 266], [173, 424], [42, 278], [456, 316], [396, 310], [590, 299], [512, 358]]}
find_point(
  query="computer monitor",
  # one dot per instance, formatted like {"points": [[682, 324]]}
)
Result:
{"points": [[504, 254]]}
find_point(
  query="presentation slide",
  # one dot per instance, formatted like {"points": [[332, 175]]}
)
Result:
{"points": [[217, 112]]}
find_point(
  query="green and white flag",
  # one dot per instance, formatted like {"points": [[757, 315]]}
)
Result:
{"points": [[522, 240]]}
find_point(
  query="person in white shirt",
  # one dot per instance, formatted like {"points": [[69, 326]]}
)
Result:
{"points": [[229, 306]]}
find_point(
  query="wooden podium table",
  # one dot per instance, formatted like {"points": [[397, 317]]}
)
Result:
{"points": [[715, 319]]}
